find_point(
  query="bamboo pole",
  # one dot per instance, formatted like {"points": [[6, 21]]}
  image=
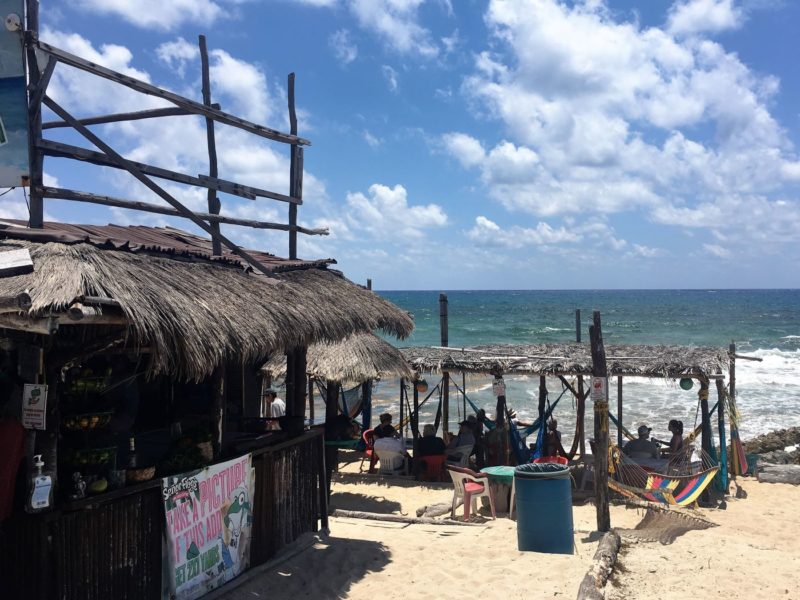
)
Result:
{"points": [[600, 401]]}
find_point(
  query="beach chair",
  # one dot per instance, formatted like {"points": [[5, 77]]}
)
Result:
{"points": [[433, 466], [459, 456], [391, 462], [469, 486], [369, 453], [559, 460]]}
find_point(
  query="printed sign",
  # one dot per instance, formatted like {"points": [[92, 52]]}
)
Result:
{"points": [[34, 406], [499, 387], [14, 164], [599, 389], [209, 520]]}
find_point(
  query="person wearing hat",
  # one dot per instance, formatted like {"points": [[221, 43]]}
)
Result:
{"points": [[643, 447], [465, 437], [273, 407]]}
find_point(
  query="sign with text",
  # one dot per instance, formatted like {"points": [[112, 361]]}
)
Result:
{"points": [[499, 387], [14, 165], [209, 520], [599, 389], [34, 406]]}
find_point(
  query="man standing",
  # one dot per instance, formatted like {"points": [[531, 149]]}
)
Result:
{"points": [[273, 407]]}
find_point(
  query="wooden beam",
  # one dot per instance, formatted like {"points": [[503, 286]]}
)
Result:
{"points": [[76, 196], [42, 326], [39, 90], [295, 162], [59, 150], [444, 335], [600, 399], [138, 115], [35, 156], [151, 90], [141, 177], [214, 204], [16, 303]]}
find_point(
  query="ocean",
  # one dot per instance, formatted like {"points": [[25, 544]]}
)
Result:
{"points": [[762, 323]]}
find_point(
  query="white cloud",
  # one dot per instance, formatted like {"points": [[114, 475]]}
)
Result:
{"points": [[157, 14], [390, 75], [395, 23], [244, 83], [386, 214], [319, 3], [717, 250], [371, 140], [487, 233], [177, 53], [465, 148], [344, 50], [689, 17]]}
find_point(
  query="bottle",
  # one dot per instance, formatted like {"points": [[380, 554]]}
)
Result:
{"points": [[132, 460], [41, 495]]}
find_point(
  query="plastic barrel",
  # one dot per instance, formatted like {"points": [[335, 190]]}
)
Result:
{"points": [[544, 508]]}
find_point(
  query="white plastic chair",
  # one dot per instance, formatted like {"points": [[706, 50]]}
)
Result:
{"points": [[391, 462], [469, 486], [462, 452]]}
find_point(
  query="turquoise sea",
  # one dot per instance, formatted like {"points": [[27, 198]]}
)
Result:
{"points": [[762, 323]]}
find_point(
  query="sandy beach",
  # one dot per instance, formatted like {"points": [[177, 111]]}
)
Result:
{"points": [[752, 552]]}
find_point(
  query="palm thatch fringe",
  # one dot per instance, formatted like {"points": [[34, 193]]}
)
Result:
{"points": [[195, 314], [572, 359], [357, 358]]}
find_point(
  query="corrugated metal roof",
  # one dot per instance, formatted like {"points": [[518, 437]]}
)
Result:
{"points": [[140, 238]]}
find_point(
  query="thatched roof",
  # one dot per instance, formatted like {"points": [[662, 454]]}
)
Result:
{"points": [[572, 359], [357, 358], [194, 313]]}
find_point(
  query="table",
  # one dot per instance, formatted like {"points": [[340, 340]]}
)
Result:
{"points": [[501, 482]]}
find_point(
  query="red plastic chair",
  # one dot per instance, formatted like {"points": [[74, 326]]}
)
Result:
{"points": [[560, 460], [369, 441], [433, 467]]}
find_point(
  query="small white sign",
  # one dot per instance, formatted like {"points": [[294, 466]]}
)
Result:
{"points": [[599, 389], [34, 406], [499, 387]]}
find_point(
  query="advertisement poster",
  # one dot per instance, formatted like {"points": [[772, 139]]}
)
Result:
{"points": [[34, 406], [13, 98], [499, 387], [209, 520], [599, 389]]}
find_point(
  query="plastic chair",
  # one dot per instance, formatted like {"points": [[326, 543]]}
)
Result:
{"points": [[470, 486], [462, 452], [369, 453], [434, 465], [560, 460], [391, 462]]}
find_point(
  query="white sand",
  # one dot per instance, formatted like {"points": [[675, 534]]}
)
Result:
{"points": [[753, 554]]}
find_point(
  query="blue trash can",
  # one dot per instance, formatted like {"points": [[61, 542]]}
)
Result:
{"points": [[544, 508]]}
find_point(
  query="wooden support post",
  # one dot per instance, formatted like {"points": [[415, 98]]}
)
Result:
{"points": [[723, 449], [369, 283], [542, 402], [580, 429], [331, 412], [619, 410], [324, 491], [443, 330], [35, 156], [415, 424], [296, 382], [311, 398], [295, 171], [366, 411], [706, 425], [213, 201], [735, 464], [578, 325], [218, 408], [600, 401]]}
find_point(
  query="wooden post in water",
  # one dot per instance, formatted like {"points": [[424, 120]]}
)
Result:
{"points": [[619, 410], [443, 327], [214, 204], [600, 401]]}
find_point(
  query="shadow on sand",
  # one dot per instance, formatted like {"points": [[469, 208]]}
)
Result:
{"points": [[364, 503]]}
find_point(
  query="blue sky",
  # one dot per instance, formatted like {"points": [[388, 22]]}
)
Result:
{"points": [[470, 144]]}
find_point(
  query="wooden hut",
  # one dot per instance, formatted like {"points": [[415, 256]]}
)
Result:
{"points": [[197, 328]]}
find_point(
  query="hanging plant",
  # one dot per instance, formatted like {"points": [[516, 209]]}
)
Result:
{"points": [[422, 386]]}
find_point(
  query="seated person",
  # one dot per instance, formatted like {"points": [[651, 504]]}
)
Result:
{"points": [[643, 447], [676, 442], [429, 444], [465, 437], [394, 445], [552, 440], [385, 428]]}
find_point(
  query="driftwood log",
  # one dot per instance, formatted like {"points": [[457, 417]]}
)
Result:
{"points": [[437, 510], [604, 559], [768, 473], [356, 514]]}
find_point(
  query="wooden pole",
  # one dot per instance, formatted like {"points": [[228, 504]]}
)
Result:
{"points": [[295, 171], [214, 204], [581, 407], [600, 401], [542, 401], [311, 398], [324, 491], [706, 425], [578, 325], [137, 115], [331, 411], [415, 425], [218, 411], [369, 283], [732, 401], [443, 330], [723, 449], [402, 402], [619, 410], [35, 156], [300, 366]]}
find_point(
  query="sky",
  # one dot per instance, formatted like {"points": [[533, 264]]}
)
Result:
{"points": [[466, 144]]}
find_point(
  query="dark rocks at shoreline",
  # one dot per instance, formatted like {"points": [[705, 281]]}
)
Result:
{"points": [[770, 446]]}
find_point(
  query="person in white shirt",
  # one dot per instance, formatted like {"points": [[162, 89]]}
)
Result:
{"points": [[273, 407]]}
